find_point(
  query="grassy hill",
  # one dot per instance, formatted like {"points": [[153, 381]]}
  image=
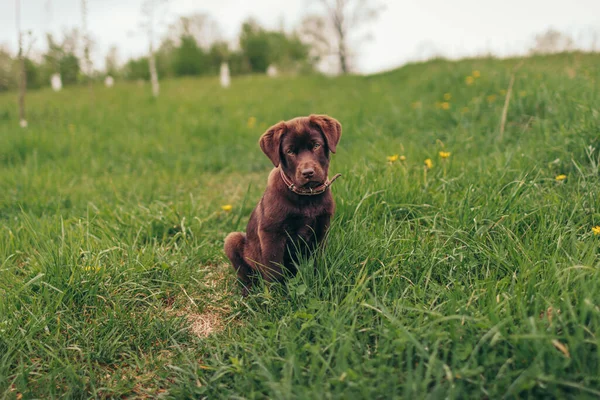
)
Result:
{"points": [[477, 278]]}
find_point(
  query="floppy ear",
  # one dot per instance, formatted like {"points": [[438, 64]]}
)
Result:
{"points": [[330, 127], [270, 140]]}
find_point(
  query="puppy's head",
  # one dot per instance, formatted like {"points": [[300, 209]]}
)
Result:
{"points": [[301, 147]]}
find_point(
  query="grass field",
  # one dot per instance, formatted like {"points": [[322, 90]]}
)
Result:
{"points": [[478, 278]]}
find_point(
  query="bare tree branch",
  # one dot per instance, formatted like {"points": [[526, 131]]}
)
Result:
{"points": [[345, 19]]}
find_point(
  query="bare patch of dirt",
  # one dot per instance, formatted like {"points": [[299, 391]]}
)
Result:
{"points": [[214, 299], [206, 323]]}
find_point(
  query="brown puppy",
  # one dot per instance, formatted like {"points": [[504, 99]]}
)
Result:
{"points": [[293, 215]]}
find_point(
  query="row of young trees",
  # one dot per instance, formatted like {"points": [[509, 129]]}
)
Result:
{"points": [[182, 54], [193, 46]]}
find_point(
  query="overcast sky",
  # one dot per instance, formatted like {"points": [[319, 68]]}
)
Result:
{"points": [[406, 30]]}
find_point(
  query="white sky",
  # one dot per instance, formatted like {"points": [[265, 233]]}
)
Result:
{"points": [[407, 29]]}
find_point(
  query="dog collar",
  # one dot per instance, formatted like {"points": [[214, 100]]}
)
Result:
{"points": [[310, 191]]}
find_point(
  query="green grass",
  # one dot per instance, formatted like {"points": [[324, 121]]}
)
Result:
{"points": [[481, 279]]}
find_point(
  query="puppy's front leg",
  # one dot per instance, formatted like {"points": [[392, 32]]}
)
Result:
{"points": [[272, 246], [321, 228]]}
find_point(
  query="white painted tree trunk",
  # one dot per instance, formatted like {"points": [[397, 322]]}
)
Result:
{"points": [[153, 74], [56, 82], [272, 71], [225, 77], [22, 72]]}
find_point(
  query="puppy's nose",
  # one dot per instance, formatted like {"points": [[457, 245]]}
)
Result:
{"points": [[308, 172]]}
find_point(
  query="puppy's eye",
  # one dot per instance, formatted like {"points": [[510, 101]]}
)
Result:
{"points": [[316, 146], [290, 152]]}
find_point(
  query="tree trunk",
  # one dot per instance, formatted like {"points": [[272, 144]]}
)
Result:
{"points": [[153, 74], [339, 23], [151, 55], [22, 90], [23, 72], [86, 47], [343, 59]]}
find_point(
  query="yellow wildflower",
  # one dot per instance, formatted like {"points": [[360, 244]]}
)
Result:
{"points": [[444, 154], [491, 98], [596, 230], [393, 158], [403, 158], [561, 177], [90, 268], [469, 80], [445, 105], [227, 207], [416, 105], [251, 122], [447, 96], [476, 73], [428, 163]]}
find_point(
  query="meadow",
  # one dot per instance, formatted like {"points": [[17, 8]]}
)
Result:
{"points": [[475, 277]]}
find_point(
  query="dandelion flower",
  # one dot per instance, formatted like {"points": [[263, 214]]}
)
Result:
{"points": [[428, 163], [596, 230], [444, 154], [445, 105], [491, 98], [393, 158], [476, 74], [469, 80], [251, 122], [447, 96], [561, 177], [227, 207]]}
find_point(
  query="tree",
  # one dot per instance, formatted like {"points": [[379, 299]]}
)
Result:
{"points": [[314, 29], [23, 73], [189, 59], [254, 43], [263, 48], [217, 54], [188, 44], [341, 25], [112, 61], [149, 10], [552, 41], [61, 57], [69, 68], [87, 61], [201, 27], [137, 69]]}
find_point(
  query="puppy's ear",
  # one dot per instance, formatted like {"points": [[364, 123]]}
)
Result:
{"points": [[331, 128], [270, 140]]}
